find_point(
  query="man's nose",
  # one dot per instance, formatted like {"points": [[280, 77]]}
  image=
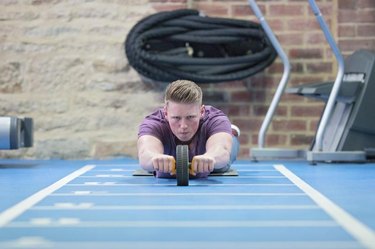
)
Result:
{"points": [[183, 123]]}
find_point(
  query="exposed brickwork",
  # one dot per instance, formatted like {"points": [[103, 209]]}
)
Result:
{"points": [[356, 25]]}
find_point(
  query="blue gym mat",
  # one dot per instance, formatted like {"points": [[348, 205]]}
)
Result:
{"points": [[100, 204]]}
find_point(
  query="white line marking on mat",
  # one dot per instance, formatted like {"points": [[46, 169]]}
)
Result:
{"points": [[16, 210], [40, 242], [73, 222], [87, 206], [358, 230], [81, 193]]}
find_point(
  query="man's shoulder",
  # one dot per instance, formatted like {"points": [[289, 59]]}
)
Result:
{"points": [[155, 120], [154, 124], [157, 115], [212, 112]]}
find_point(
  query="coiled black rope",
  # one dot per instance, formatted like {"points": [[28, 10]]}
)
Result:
{"points": [[182, 44]]}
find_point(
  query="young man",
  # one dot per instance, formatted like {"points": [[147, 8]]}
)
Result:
{"points": [[185, 120]]}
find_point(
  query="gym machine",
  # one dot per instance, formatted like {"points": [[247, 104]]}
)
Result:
{"points": [[261, 151], [346, 131], [16, 133], [350, 130]]}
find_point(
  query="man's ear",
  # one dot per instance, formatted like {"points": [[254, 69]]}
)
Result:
{"points": [[203, 111], [165, 111]]}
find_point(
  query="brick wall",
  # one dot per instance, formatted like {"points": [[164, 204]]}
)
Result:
{"points": [[356, 25], [62, 63]]}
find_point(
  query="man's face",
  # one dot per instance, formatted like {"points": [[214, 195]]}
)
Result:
{"points": [[184, 119]]}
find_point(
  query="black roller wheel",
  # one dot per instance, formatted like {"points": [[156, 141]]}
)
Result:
{"points": [[182, 165]]}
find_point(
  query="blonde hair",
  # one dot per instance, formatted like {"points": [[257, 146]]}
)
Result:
{"points": [[183, 91]]}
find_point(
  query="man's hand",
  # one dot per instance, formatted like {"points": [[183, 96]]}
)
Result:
{"points": [[164, 163], [202, 164]]}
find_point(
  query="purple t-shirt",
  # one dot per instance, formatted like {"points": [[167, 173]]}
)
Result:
{"points": [[213, 121]]}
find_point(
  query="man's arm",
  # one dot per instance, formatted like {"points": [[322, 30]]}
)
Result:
{"points": [[219, 147], [151, 157], [217, 156]]}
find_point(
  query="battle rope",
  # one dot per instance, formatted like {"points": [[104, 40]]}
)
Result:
{"points": [[182, 44]]}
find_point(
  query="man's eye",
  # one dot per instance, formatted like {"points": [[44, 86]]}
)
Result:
{"points": [[176, 118]]}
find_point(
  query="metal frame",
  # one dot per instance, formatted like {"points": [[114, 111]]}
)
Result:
{"points": [[262, 152], [319, 154]]}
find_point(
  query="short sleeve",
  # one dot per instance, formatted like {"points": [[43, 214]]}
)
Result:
{"points": [[152, 125], [217, 122]]}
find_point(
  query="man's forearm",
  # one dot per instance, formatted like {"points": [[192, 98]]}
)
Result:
{"points": [[148, 148], [145, 160], [222, 163], [221, 157], [219, 147]]}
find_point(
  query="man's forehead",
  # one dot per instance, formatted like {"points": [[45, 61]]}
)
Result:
{"points": [[178, 109], [181, 112]]}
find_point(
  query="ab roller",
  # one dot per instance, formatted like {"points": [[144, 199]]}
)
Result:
{"points": [[182, 165]]}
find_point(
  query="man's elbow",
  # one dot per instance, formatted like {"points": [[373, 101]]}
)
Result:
{"points": [[226, 155], [224, 160], [228, 150], [142, 160]]}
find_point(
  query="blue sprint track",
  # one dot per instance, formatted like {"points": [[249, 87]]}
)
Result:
{"points": [[100, 204]]}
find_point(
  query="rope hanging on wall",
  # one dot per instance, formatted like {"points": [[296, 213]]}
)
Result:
{"points": [[182, 44]]}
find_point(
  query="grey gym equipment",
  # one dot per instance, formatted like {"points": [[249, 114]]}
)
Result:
{"points": [[350, 121], [346, 131], [16, 133], [261, 151], [350, 130]]}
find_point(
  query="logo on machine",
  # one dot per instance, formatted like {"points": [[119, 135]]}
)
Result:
{"points": [[354, 77]]}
